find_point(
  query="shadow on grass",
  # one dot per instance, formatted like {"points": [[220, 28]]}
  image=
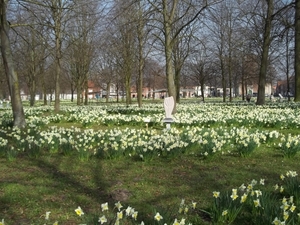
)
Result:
{"points": [[79, 185], [31, 186], [35, 186]]}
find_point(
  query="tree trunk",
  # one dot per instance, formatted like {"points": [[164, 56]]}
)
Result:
{"points": [[32, 93], [140, 79], [223, 78], [43, 83], [127, 88], [169, 67], [170, 75], [243, 88], [44, 89], [108, 92], [287, 56], [265, 55], [72, 93], [86, 88], [12, 77], [141, 35], [57, 76], [86, 96], [57, 14], [230, 71], [297, 52], [79, 94], [118, 95], [177, 84], [168, 19], [32, 78], [202, 90]]}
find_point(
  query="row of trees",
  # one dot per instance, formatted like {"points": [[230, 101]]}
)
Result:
{"points": [[60, 44]]}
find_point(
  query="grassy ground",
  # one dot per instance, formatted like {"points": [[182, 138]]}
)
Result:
{"points": [[29, 186]]}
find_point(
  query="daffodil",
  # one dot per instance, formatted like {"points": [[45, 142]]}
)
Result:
{"points": [[47, 215], [134, 215], [225, 212], [285, 215], [158, 217], [104, 206], [276, 221], [118, 205], [243, 198], [102, 219], [285, 206], [242, 187], [120, 215], [176, 222], [256, 203], [262, 181], [216, 194], [180, 210], [258, 193], [249, 187], [254, 182], [234, 194], [292, 208], [182, 221], [194, 204], [284, 200], [128, 211], [182, 202], [79, 211], [186, 209], [293, 173]]}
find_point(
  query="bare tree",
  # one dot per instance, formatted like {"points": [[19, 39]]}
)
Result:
{"points": [[297, 51], [199, 68], [54, 14], [265, 53], [263, 18], [82, 46], [224, 25], [286, 57], [143, 42], [30, 55], [4, 92], [154, 77], [169, 16], [105, 71], [8, 63], [123, 35], [181, 51]]}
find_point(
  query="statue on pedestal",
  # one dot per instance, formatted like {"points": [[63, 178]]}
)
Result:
{"points": [[169, 106]]}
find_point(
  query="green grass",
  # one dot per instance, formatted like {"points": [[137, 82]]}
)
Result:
{"points": [[29, 187]]}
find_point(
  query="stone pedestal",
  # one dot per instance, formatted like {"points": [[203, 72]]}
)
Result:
{"points": [[168, 122]]}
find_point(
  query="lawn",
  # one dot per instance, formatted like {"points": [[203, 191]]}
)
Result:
{"points": [[88, 156]]}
